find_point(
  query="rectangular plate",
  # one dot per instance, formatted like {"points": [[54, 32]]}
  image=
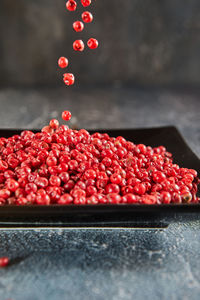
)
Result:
{"points": [[135, 215]]}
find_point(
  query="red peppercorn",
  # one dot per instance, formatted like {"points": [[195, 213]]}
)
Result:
{"points": [[148, 199], [158, 176], [112, 188], [78, 45], [30, 188], [66, 115], [92, 200], [7, 175], [22, 201], [68, 78], [3, 166], [73, 165], [80, 200], [54, 124], [64, 177], [107, 161], [65, 199], [42, 199], [12, 185], [193, 172], [78, 193], [186, 196], [63, 62], [47, 129], [140, 188], [4, 261], [165, 197], [86, 3], [176, 198], [4, 193], [69, 185], [91, 190], [51, 161], [13, 162], [92, 43], [41, 182], [116, 178], [78, 26], [63, 167], [71, 5], [129, 198], [19, 193], [31, 198], [3, 201], [90, 182], [87, 17], [90, 174], [113, 198], [54, 180]]}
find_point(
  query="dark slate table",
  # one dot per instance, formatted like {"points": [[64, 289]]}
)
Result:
{"points": [[103, 263]]}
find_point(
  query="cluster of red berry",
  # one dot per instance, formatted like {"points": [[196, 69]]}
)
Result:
{"points": [[63, 166], [78, 45]]}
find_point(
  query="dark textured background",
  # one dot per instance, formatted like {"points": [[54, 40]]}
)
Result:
{"points": [[149, 42]]}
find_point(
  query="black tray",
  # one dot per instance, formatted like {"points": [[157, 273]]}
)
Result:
{"points": [[113, 215]]}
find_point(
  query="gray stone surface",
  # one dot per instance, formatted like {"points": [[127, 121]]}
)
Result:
{"points": [[99, 264], [141, 42], [96, 264]]}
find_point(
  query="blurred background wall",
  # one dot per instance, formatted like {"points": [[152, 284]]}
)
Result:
{"points": [[142, 42]]}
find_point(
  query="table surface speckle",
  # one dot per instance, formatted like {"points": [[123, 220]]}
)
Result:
{"points": [[103, 263]]}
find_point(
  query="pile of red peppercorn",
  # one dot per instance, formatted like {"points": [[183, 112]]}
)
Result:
{"points": [[63, 166], [78, 45]]}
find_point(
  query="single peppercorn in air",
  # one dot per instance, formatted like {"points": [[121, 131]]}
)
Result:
{"points": [[86, 3], [78, 45], [63, 62], [92, 43], [68, 78], [71, 5], [66, 115], [87, 17], [78, 26]]}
